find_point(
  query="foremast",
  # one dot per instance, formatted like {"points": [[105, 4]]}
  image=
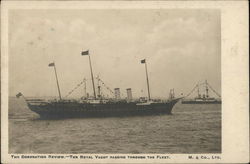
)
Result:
{"points": [[58, 88]]}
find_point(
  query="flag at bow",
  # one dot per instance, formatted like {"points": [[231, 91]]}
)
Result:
{"points": [[51, 64], [85, 52], [19, 95], [143, 61]]}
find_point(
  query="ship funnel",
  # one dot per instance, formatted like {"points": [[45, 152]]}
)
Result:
{"points": [[99, 92], [129, 94], [117, 93]]}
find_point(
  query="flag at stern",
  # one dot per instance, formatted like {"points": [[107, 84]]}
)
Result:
{"points": [[19, 95]]}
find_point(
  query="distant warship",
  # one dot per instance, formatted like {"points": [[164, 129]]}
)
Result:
{"points": [[202, 98], [99, 106]]}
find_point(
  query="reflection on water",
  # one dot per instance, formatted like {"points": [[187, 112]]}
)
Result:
{"points": [[191, 129]]}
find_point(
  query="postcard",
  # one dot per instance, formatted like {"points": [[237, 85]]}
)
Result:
{"points": [[124, 82]]}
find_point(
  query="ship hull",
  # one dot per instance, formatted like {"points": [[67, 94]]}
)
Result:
{"points": [[80, 110]]}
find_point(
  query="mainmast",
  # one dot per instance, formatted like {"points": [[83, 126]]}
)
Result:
{"points": [[54, 65], [144, 62], [87, 53]]}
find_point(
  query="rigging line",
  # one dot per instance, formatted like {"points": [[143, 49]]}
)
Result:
{"points": [[108, 89], [77, 86], [106, 86], [213, 90], [98, 78], [202, 84], [192, 90]]}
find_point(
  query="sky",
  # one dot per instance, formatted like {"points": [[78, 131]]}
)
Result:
{"points": [[182, 47]]}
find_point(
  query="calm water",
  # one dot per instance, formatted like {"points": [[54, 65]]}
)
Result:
{"points": [[191, 129]]}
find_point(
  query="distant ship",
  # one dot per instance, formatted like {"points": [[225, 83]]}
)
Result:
{"points": [[99, 106], [202, 99]]}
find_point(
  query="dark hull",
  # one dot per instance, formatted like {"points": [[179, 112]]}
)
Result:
{"points": [[201, 102], [79, 110]]}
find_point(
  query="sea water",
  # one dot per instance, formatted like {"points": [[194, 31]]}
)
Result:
{"points": [[192, 128]]}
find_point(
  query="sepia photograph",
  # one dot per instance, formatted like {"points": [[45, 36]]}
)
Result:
{"points": [[114, 80], [142, 63]]}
